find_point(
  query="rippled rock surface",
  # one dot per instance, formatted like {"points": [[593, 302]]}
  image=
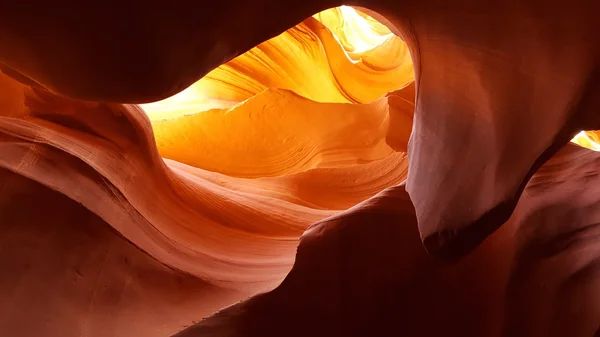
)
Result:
{"points": [[262, 170]]}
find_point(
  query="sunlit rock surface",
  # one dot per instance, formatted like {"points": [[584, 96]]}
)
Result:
{"points": [[337, 66], [121, 219]]}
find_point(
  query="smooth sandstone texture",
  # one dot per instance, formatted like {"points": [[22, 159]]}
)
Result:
{"points": [[66, 273], [365, 272], [230, 231], [223, 195], [491, 76], [490, 79], [227, 230], [227, 237], [336, 57]]}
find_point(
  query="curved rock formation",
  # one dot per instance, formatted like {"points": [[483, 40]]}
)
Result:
{"points": [[181, 215], [198, 212], [536, 276], [215, 184], [65, 272]]}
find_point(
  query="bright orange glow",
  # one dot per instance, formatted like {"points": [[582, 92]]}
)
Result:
{"points": [[587, 139], [221, 180], [283, 107], [339, 55], [356, 33], [336, 56]]}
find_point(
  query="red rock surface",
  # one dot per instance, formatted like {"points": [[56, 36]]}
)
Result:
{"points": [[483, 224], [65, 272], [365, 272]]}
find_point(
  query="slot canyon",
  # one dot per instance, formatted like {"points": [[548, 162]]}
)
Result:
{"points": [[317, 168]]}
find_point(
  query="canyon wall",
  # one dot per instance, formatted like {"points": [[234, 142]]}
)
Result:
{"points": [[297, 172]]}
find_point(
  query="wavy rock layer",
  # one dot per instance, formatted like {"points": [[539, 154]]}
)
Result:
{"points": [[65, 272], [197, 212], [365, 272], [309, 59], [260, 137], [257, 151], [216, 227]]}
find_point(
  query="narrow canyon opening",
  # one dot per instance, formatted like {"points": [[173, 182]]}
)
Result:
{"points": [[270, 197], [334, 92]]}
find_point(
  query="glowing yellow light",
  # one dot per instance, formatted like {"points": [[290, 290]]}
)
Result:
{"points": [[587, 139], [356, 33], [188, 102]]}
